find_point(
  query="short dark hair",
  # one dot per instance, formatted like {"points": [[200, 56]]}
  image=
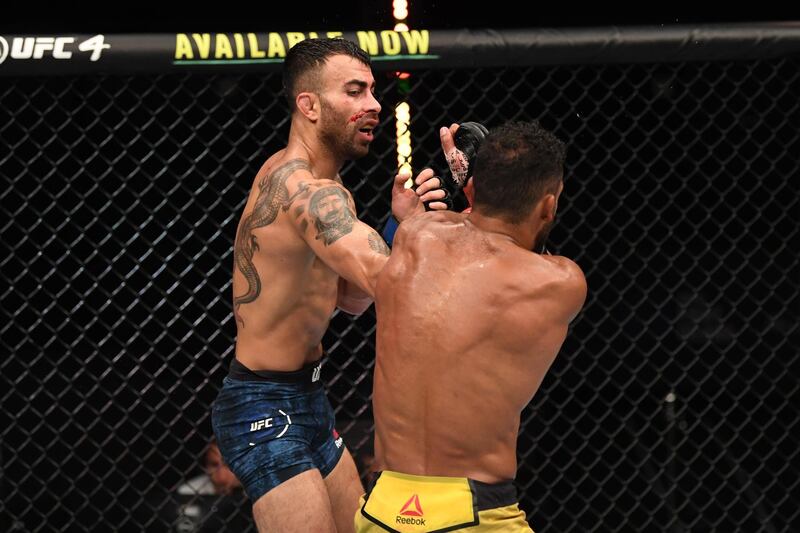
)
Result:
{"points": [[517, 164], [309, 56]]}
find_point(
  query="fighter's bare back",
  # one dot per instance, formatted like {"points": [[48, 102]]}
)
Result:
{"points": [[469, 323]]}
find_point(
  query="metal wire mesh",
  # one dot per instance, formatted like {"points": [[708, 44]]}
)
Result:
{"points": [[672, 407]]}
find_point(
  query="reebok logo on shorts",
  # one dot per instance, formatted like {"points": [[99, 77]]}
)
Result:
{"points": [[411, 512]]}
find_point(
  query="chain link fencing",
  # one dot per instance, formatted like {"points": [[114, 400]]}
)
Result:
{"points": [[672, 406]]}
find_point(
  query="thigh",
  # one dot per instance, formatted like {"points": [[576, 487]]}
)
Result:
{"points": [[264, 440], [299, 504], [344, 490]]}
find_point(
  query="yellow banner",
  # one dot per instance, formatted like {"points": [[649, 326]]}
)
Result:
{"points": [[272, 46]]}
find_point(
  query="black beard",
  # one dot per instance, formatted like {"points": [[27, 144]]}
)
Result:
{"points": [[339, 144], [339, 140]]}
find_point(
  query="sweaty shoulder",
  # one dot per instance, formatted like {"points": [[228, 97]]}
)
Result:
{"points": [[290, 172], [294, 175], [431, 224], [279, 177], [565, 281]]}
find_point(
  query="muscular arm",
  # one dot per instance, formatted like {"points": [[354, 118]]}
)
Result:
{"points": [[350, 298], [324, 215]]}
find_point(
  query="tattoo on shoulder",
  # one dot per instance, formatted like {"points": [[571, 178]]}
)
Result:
{"points": [[377, 244], [273, 196], [330, 212]]}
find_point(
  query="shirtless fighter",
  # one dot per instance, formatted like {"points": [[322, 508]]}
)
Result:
{"points": [[469, 321], [300, 252]]}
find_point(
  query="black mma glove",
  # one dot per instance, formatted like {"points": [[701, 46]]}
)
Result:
{"points": [[468, 139]]}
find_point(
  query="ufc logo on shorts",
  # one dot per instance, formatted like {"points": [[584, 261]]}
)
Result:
{"points": [[261, 424], [269, 422]]}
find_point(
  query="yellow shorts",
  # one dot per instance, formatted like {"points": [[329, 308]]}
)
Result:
{"points": [[402, 502]]}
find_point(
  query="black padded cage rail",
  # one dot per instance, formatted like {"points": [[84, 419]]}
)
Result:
{"points": [[673, 405]]}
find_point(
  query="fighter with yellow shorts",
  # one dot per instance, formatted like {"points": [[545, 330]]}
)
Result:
{"points": [[471, 313]]}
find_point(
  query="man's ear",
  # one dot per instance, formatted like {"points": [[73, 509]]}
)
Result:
{"points": [[549, 204], [308, 104], [547, 208]]}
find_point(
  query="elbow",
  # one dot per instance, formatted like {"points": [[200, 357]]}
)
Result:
{"points": [[354, 300], [355, 307]]}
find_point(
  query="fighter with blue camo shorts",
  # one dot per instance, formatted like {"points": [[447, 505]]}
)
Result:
{"points": [[300, 252]]}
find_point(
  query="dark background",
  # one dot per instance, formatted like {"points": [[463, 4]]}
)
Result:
{"points": [[431, 14], [120, 204]]}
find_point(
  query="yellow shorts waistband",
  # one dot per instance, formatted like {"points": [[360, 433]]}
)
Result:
{"points": [[485, 495]]}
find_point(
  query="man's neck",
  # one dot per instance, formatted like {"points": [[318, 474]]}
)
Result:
{"points": [[522, 234], [324, 163]]}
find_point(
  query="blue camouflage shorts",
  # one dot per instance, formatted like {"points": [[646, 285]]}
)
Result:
{"points": [[271, 426]]}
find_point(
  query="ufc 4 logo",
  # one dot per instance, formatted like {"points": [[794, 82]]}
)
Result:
{"points": [[56, 47]]}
